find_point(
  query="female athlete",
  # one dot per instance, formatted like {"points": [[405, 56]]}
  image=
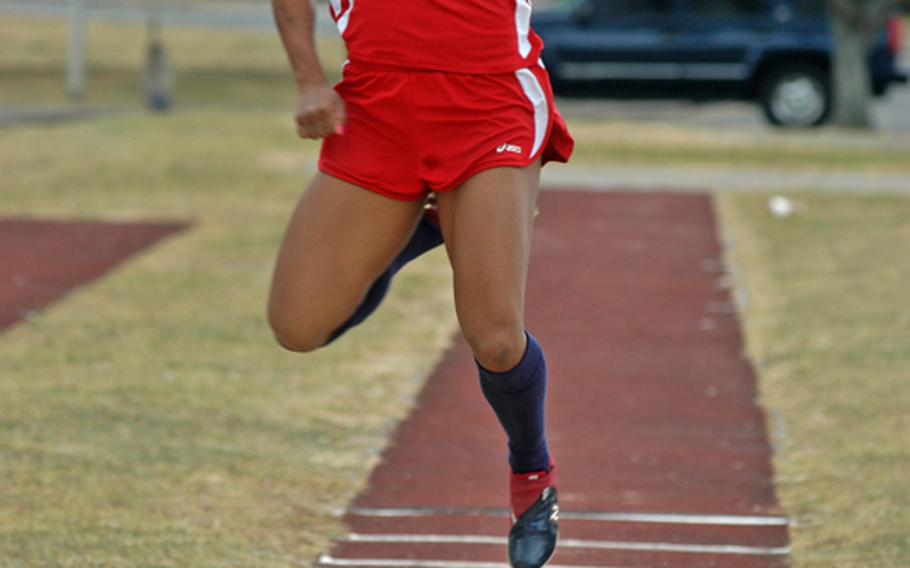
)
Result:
{"points": [[448, 97]]}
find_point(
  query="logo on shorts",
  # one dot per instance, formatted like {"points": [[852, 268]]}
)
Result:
{"points": [[509, 148]]}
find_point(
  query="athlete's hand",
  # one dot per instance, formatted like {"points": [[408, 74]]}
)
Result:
{"points": [[320, 112]]}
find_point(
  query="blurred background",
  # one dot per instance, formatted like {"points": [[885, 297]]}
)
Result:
{"points": [[777, 54], [149, 420]]}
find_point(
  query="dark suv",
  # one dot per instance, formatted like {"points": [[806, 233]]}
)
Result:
{"points": [[777, 52]]}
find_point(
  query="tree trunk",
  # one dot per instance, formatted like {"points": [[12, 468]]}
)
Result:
{"points": [[852, 78], [856, 25]]}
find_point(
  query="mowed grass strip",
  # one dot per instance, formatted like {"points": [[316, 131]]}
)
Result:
{"points": [[150, 419], [621, 142], [828, 326], [218, 69]]}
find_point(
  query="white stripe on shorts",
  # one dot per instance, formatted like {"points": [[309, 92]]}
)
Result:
{"points": [[531, 86], [523, 26]]}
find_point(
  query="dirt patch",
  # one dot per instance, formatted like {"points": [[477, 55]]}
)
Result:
{"points": [[41, 261]]}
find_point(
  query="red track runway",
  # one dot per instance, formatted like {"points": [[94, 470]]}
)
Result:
{"points": [[663, 455], [40, 261]]}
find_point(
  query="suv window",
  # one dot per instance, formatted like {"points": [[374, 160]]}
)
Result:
{"points": [[605, 10], [715, 8]]}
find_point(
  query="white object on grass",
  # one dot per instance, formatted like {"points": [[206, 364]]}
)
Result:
{"points": [[780, 206]]}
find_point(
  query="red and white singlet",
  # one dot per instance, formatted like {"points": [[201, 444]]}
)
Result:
{"points": [[430, 34]]}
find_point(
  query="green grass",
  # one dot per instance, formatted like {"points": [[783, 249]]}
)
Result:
{"points": [[212, 68], [827, 324], [150, 419], [617, 142]]}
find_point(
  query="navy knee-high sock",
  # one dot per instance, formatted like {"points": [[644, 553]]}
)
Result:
{"points": [[518, 398], [426, 237]]}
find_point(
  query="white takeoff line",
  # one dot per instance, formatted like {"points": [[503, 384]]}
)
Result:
{"points": [[666, 518], [326, 560], [572, 543]]}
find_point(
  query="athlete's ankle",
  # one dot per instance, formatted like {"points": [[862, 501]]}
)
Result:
{"points": [[525, 489]]}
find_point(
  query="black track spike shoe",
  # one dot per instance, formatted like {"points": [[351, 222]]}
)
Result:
{"points": [[532, 540]]}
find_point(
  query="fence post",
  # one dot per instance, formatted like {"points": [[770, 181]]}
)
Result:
{"points": [[75, 71], [158, 74]]}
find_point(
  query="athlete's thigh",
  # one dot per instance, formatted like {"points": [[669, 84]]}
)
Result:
{"points": [[487, 223], [340, 239]]}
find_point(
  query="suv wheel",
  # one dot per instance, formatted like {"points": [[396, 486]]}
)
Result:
{"points": [[796, 96]]}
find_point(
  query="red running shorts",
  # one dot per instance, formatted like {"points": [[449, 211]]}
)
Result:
{"points": [[412, 132]]}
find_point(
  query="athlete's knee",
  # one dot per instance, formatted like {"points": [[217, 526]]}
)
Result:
{"points": [[497, 347], [299, 344], [296, 342], [293, 334]]}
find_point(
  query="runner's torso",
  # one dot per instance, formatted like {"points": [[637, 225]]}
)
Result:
{"points": [[458, 36]]}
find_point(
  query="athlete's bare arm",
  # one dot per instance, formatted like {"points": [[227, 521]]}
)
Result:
{"points": [[320, 111]]}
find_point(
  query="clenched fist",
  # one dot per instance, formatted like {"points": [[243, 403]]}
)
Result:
{"points": [[320, 112]]}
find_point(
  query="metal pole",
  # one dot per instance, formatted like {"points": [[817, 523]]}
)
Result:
{"points": [[158, 79], [76, 58]]}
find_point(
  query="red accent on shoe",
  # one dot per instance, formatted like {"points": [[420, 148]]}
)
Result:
{"points": [[525, 488]]}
